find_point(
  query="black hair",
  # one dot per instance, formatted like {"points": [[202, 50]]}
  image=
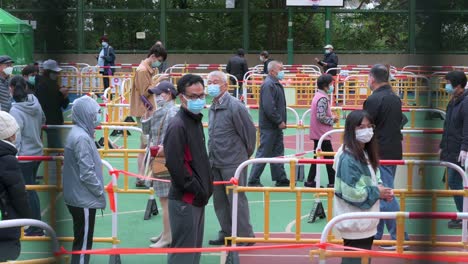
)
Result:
{"points": [[456, 78], [324, 81], [380, 73], [28, 70], [264, 54], [241, 52], [158, 51], [188, 80], [352, 146], [19, 87]]}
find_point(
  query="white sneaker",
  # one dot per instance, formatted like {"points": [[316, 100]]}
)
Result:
{"points": [[156, 238], [392, 247], [161, 244]]}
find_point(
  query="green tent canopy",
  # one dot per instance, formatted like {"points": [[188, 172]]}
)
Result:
{"points": [[16, 38]]}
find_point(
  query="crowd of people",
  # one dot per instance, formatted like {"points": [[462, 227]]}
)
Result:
{"points": [[175, 135]]}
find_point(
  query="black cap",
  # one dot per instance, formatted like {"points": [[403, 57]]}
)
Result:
{"points": [[163, 87], [5, 59]]}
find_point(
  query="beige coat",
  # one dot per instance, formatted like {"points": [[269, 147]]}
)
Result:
{"points": [[142, 82]]}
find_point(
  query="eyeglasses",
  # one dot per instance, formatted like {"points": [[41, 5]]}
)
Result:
{"points": [[194, 96], [362, 126]]}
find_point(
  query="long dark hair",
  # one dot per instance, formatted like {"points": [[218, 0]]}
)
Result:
{"points": [[353, 146], [19, 87]]}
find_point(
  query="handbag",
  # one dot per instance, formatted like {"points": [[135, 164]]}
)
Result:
{"points": [[158, 165]]}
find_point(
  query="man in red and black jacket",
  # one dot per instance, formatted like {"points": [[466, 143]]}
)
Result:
{"points": [[189, 167]]}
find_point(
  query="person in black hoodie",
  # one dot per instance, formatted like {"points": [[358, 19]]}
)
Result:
{"points": [[330, 60], [189, 167], [13, 197]]}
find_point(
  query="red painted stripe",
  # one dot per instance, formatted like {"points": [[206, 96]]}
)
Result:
{"points": [[432, 215]]}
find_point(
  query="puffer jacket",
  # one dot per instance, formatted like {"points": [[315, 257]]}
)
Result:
{"points": [[83, 184]]}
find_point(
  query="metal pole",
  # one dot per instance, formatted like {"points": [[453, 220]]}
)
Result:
{"points": [[412, 26], [162, 22], [245, 25], [327, 25], [290, 37], [80, 25]]}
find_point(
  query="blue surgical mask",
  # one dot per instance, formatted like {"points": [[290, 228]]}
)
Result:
{"points": [[327, 51], [330, 89], [214, 90], [195, 105], [280, 75], [105, 44], [32, 80], [155, 64], [449, 88], [98, 120]]}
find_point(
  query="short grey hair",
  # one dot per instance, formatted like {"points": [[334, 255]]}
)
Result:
{"points": [[219, 74], [273, 64]]}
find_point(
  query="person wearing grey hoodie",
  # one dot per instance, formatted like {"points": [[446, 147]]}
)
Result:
{"points": [[28, 114], [83, 187]]}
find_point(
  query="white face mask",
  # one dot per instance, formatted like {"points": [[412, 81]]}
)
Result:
{"points": [[364, 135], [159, 100], [8, 70]]}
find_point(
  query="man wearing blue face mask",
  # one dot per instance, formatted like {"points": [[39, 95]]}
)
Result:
{"points": [[106, 59], [330, 60], [272, 121], [189, 167], [454, 143], [232, 141]]}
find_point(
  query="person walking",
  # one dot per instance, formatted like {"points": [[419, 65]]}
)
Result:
{"points": [[106, 60], [330, 60]]}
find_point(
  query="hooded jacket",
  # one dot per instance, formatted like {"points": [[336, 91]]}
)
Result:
{"points": [[13, 197], [30, 118], [83, 184]]}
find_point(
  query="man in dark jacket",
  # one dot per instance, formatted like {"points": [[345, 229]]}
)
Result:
{"points": [[384, 106], [272, 121], [232, 141], [264, 57], [106, 59], [52, 99], [237, 66], [454, 144], [189, 167], [329, 61], [13, 197]]}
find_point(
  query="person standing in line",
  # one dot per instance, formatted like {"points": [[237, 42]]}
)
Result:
{"points": [[189, 166], [30, 74], [272, 121], [106, 59], [237, 66], [232, 136], [13, 197], [384, 107], [454, 143], [6, 69], [321, 121], [265, 58], [28, 114], [358, 187], [83, 183], [330, 60], [144, 74], [156, 127], [163, 67]]}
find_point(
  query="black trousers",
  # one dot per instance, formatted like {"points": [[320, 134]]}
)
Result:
{"points": [[365, 243], [83, 231], [326, 146]]}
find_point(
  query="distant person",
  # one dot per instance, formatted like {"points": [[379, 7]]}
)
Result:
{"points": [[6, 69], [189, 166], [237, 66], [83, 183], [272, 122], [53, 100], [30, 74], [28, 114], [144, 74], [321, 121], [156, 126], [106, 59], [454, 144], [163, 67], [358, 187], [232, 137], [265, 58], [384, 107], [329, 61], [14, 199]]}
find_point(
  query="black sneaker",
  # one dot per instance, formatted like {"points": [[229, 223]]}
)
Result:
{"points": [[311, 185], [218, 242], [255, 184], [282, 183], [455, 224]]}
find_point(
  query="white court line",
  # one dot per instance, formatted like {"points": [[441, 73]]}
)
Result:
{"points": [[48, 207]]}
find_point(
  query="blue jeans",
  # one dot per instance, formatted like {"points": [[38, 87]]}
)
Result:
{"points": [[455, 182], [387, 174], [29, 171]]}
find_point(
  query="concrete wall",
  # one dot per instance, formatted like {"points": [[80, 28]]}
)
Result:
{"points": [[398, 60]]}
